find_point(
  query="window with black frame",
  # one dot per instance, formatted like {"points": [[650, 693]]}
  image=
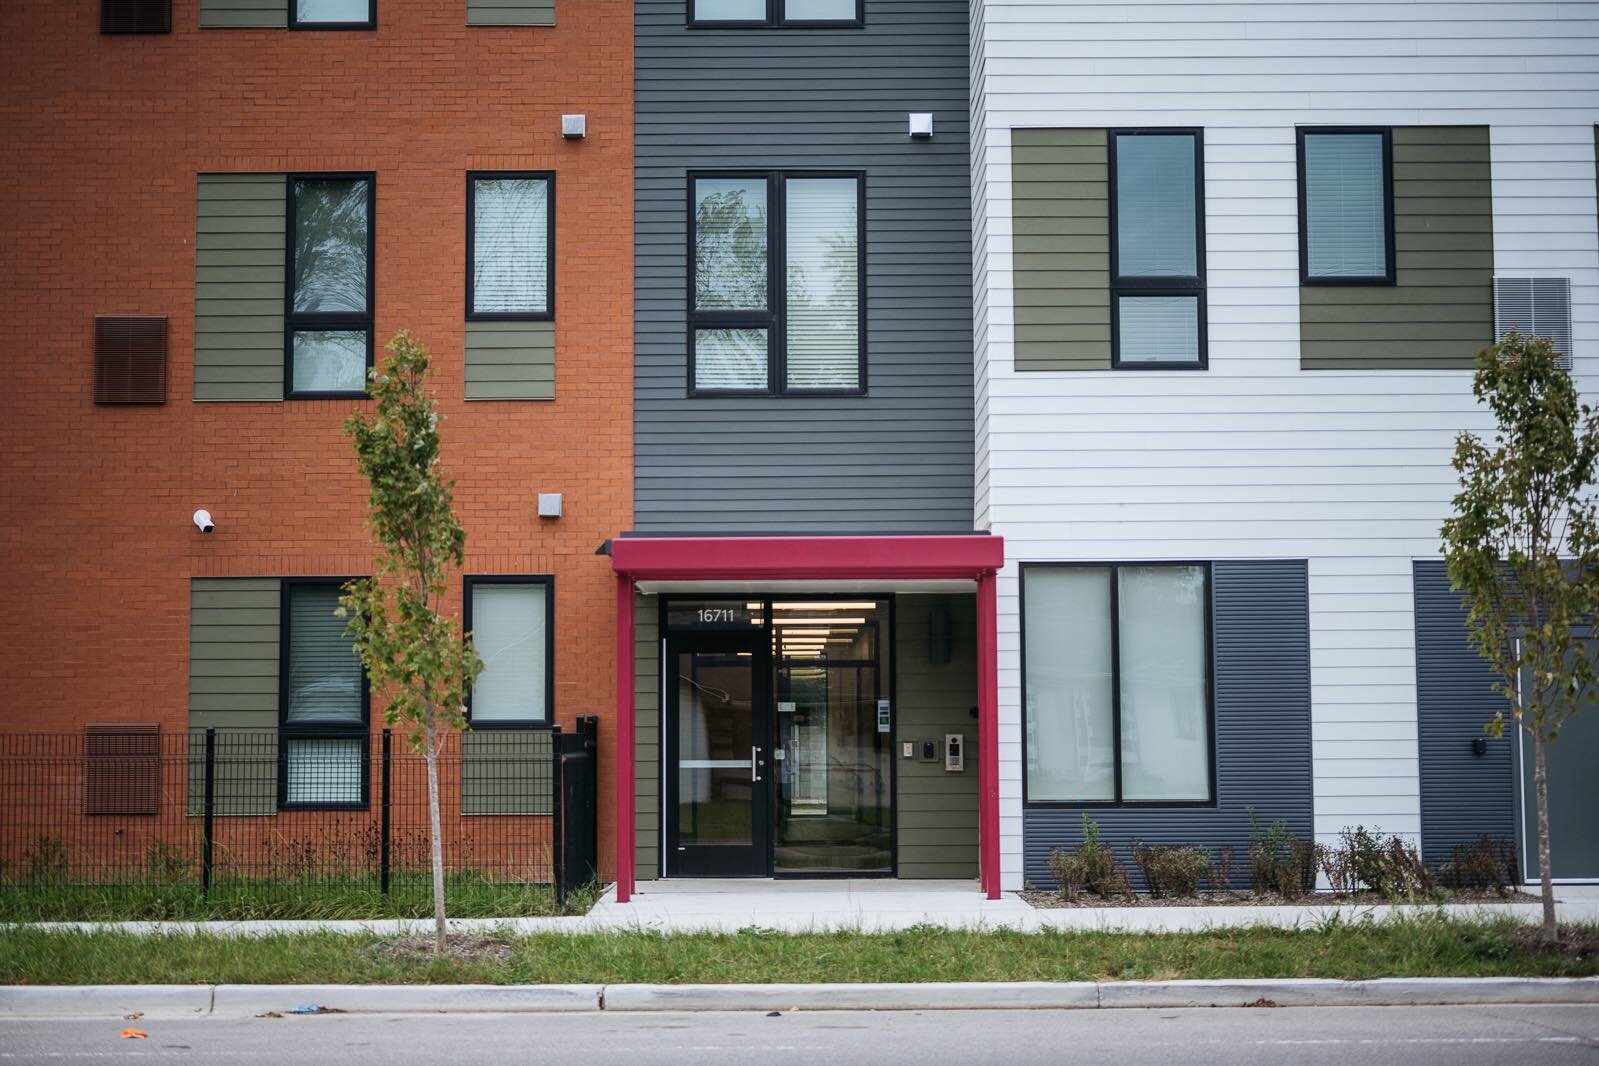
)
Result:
{"points": [[755, 14], [510, 246], [776, 283], [323, 718], [1157, 283], [333, 14], [1117, 691], [328, 320], [1346, 207], [511, 622]]}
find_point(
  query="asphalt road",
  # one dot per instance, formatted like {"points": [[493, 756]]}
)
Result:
{"points": [[1345, 1036]]}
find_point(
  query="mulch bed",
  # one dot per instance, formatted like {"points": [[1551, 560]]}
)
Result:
{"points": [[1576, 942], [1050, 900]]}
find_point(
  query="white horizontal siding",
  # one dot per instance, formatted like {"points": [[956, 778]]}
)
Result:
{"points": [[1255, 457]]}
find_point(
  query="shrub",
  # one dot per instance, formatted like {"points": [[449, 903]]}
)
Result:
{"points": [[1222, 870], [1390, 867], [1280, 862], [1093, 867], [1171, 870], [1487, 862]]}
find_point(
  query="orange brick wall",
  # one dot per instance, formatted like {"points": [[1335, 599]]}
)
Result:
{"points": [[100, 141]]}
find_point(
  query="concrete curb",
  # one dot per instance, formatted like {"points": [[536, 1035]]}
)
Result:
{"points": [[189, 1001], [105, 1001], [236, 1000], [976, 995]]}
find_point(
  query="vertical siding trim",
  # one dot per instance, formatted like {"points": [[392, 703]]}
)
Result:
{"points": [[238, 286], [1060, 197], [243, 14], [510, 361], [510, 12]]}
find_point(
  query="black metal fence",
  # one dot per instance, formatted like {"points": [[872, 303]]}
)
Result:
{"points": [[275, 823]]}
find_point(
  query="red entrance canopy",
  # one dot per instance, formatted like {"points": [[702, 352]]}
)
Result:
{"points": [[900, 558], [972, 557]]}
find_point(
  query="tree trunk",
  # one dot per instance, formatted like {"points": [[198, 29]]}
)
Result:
{"points": [[1540, 785], [437, 835]]}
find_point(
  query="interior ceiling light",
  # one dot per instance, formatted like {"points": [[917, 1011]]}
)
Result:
{"points": [[788, 632], [786, 623], [823, 605]]}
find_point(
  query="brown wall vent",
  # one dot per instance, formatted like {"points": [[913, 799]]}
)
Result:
{"points": [[130, 359], [135, 16], [122, 768]]}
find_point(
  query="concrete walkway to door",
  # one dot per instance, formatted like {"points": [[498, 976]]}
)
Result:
{"points": [[794, 906]]}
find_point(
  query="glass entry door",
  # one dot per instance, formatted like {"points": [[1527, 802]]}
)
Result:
{"points": [[718, 812]]}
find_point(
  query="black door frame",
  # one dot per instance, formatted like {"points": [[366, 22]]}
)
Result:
{"points": [[720, 860]]}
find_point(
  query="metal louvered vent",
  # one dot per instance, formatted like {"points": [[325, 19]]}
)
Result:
{"points": [[122, 768], [130, 359], [1535, 307], [135, 16]]}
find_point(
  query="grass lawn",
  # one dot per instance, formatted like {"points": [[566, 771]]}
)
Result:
{"points": [[243, 899], [1428, 946]]}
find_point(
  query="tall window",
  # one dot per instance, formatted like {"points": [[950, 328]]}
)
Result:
{"points": [[769, 13], [1157, 249], [1346, 207], [324, 702], [333, 14], [512, 624], [328, 338], [510, 243], [1118, 705], [776, 294]]}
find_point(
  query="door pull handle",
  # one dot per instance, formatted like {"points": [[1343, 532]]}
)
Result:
{"points": [[755, 764]]}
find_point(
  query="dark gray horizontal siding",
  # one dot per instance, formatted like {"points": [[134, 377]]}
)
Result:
{"points": [[900, 457], [1261, 634], [1463, 795]]}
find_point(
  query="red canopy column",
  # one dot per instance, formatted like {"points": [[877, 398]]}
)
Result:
{"points": [[625, 720], [988, 734]]}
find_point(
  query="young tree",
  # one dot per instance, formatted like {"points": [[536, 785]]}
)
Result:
{"points": [[1523, 550], [414, 655]]}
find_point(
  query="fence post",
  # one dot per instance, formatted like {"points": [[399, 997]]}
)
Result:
{"points": [[210, 809], [383, 846], [557, 858]]}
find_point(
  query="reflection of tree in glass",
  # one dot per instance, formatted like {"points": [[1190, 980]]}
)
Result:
{"points": [[510, 219], [730, 247], [823, 327], [330, 229]]}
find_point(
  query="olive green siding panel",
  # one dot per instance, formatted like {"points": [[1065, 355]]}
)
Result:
{"points": [[238, 287], [1439, 313], [647, 737], [510, 360], [1061, 233], [222, 14], [937, 810], [510, 12], [507, 771], [233, 687]]}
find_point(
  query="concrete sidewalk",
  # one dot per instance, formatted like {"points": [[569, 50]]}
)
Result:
{"points": [[155, 1002], [727, 906]]}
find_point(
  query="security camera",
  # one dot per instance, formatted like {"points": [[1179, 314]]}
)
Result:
{"points": [[202, 520]]}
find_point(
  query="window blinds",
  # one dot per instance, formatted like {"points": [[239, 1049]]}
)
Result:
{"points": [[1346, 234], [823, 284], [510, 245], [509, 631]]}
